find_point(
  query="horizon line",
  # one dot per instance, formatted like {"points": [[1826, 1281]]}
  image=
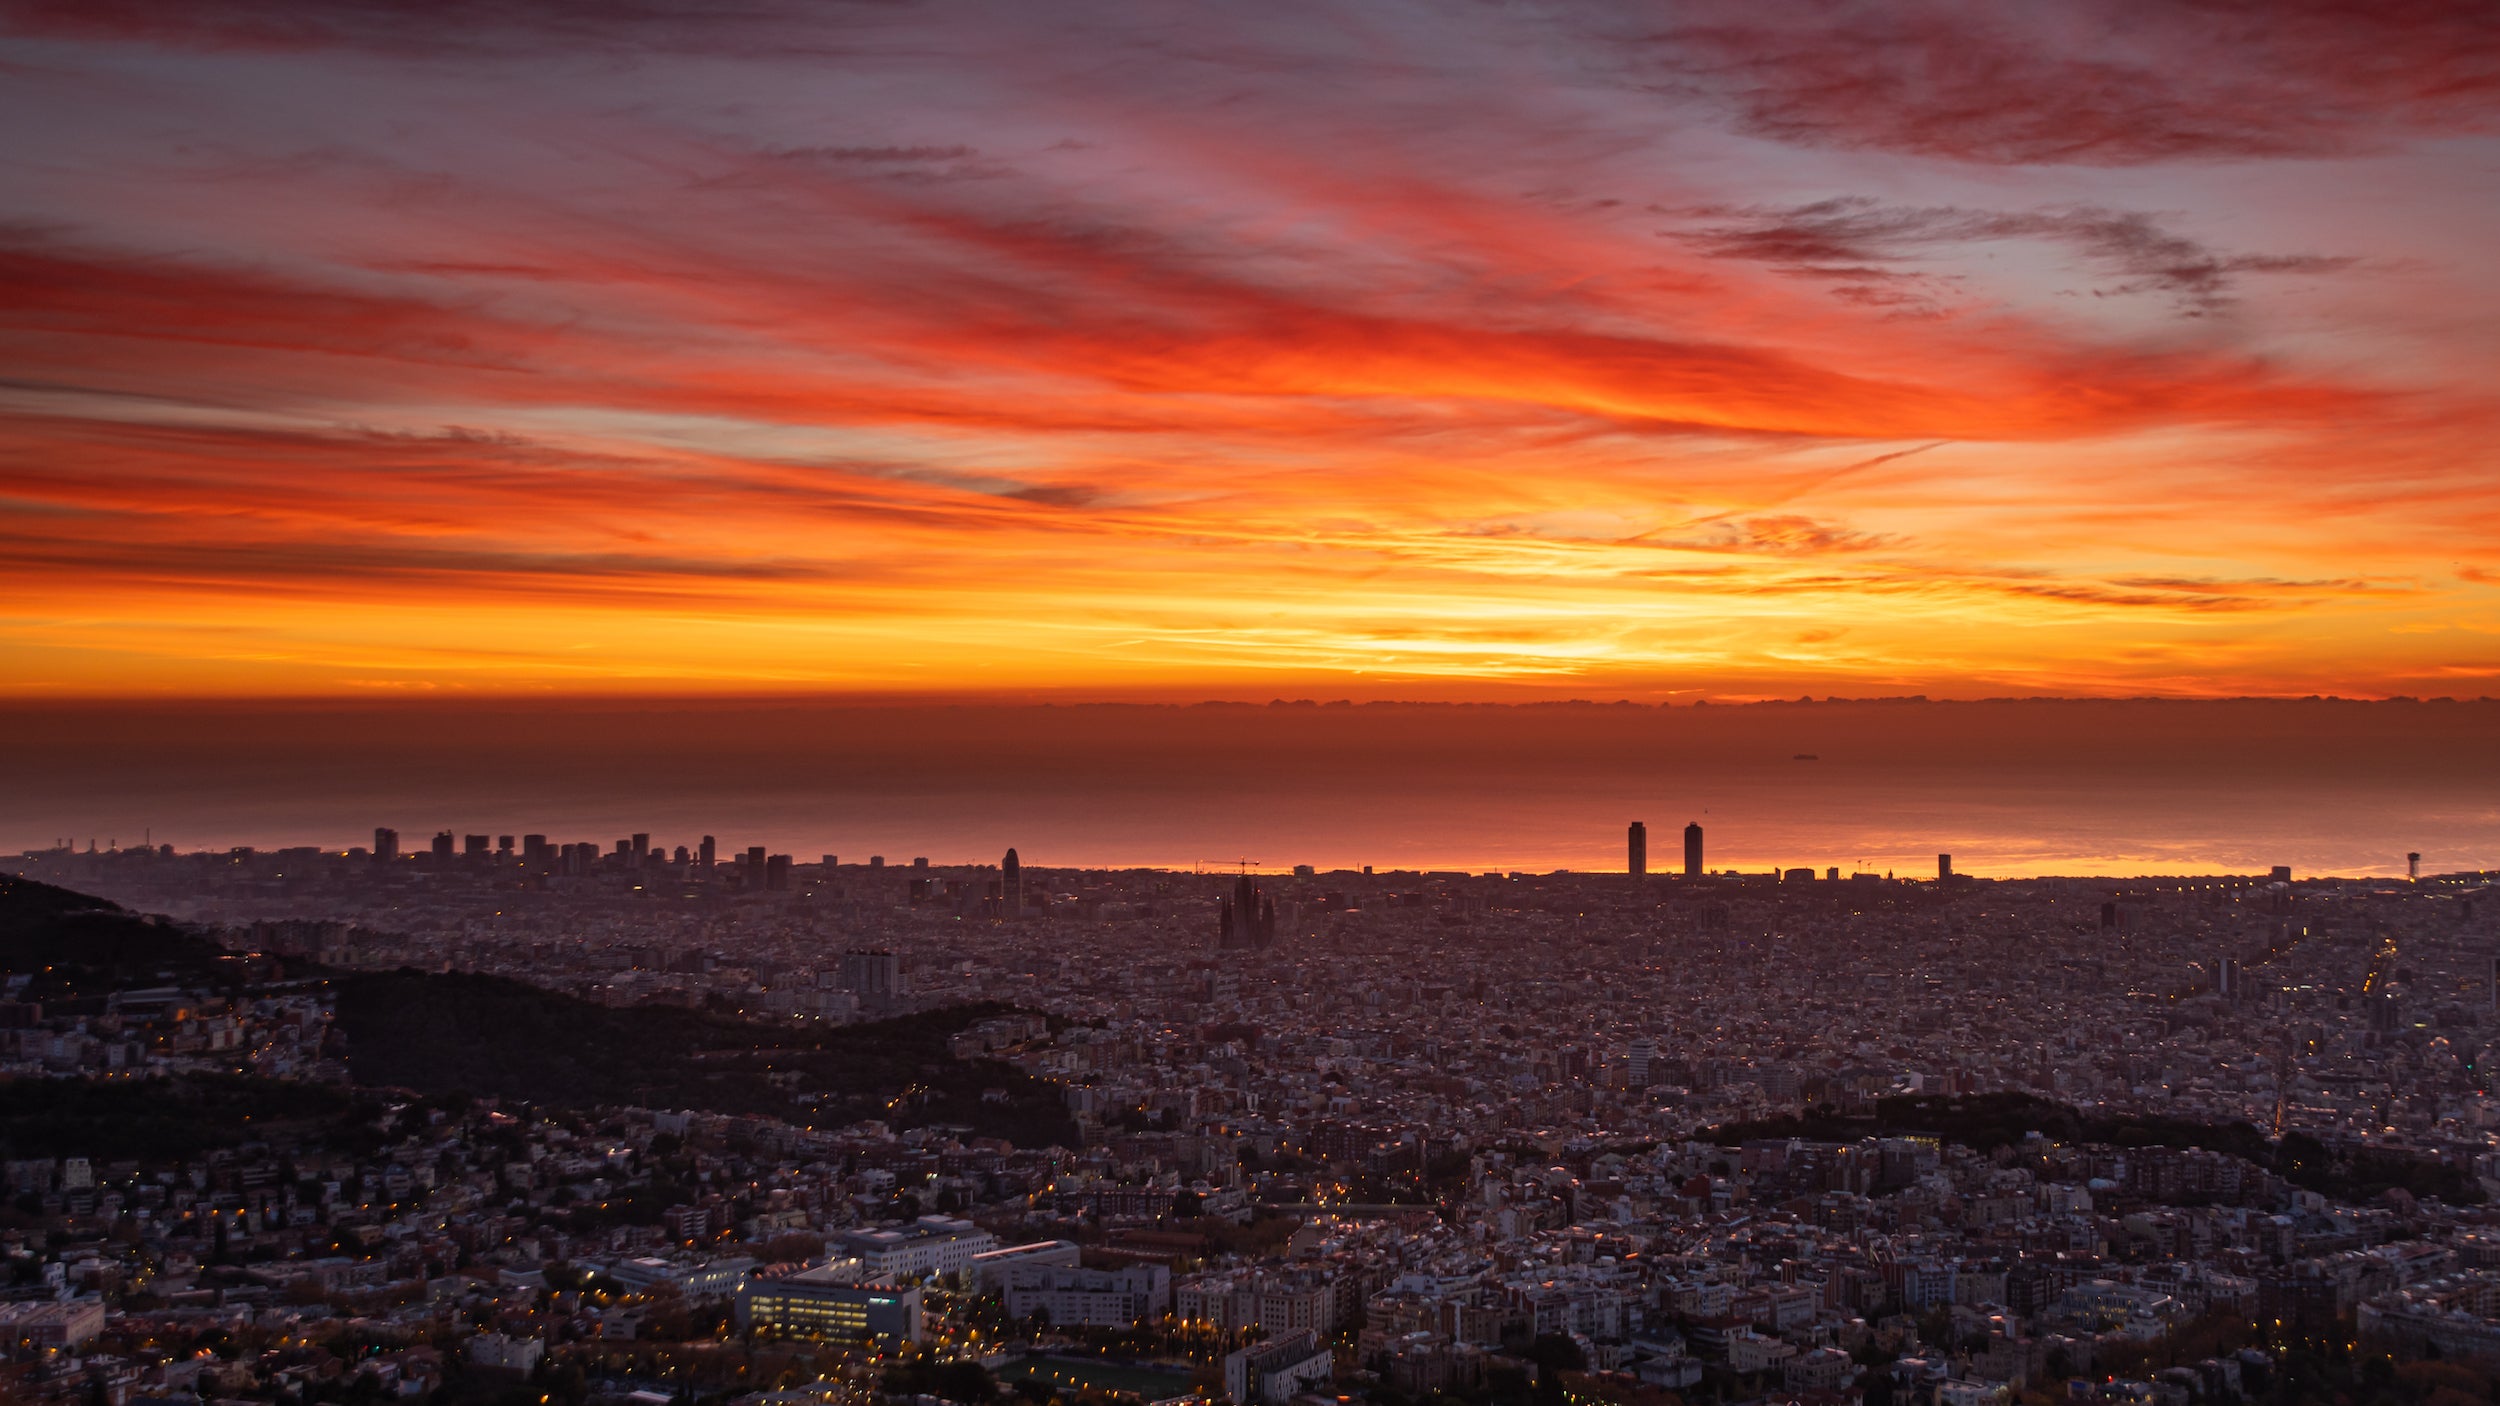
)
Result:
{"points": [[1002, 702], [1775, 876]]}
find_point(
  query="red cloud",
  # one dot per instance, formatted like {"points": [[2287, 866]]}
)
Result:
{"points": [[2101, 82], [1237, 345]]}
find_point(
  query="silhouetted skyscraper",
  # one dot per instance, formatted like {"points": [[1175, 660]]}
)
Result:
{"points": [[875, 977], [442, 847], [707, 853], [385, 845], [1637, 862], [1692, 850], [1011, 888], [1247, 920], [1944, 868], [1641, 1063]]}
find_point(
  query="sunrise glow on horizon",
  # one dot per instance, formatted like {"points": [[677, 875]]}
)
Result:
{"points": [[1371, 350]]}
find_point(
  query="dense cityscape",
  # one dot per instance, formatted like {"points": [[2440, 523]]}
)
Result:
{"points": [[740, 1128], [1316, 703]]}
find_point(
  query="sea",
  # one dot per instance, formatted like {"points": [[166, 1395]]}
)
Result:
{"points": [[2006, 787]]}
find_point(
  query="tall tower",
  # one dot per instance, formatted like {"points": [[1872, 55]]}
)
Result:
{"points": [[1692, 850], [2413, 867], [385, 844], [1011, 895], [1638, 841], [875, 977], [1247, 920], [1944, 869], [707, 853]]}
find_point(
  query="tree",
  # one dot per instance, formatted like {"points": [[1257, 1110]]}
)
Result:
{"points": [[1555, 1353], [793, 1247]]}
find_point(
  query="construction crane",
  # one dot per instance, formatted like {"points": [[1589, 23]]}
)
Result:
{"points": [[1244, 863]]}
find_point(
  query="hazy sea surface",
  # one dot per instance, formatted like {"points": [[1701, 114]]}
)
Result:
{"points": [[2059, 787]]}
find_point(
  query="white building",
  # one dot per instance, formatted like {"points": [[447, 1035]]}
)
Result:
{"points": [[506, 1354], [1278, 1369], [67, 1323], [1749, 1351], [1962, 1393], [1279, 1303], [929, 1245], [1103, 1298], [705, 1280], [982, 1277]]}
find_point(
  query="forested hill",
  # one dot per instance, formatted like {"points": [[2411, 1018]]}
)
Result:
{"points": [[495, 1037], [490, 1035], [75, 945], [1988, 1121]]}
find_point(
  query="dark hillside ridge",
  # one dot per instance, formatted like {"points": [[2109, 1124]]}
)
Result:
{"points": [[494, 1037], [172, 1120], [75, 945], [1985, 1122]]}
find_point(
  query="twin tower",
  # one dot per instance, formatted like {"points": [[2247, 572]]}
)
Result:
{"points": [[1638, 844]]}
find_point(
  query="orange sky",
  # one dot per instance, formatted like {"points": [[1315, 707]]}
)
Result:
{"points": [[1377, 350]]}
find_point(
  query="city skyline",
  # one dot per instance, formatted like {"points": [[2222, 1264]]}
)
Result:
{"points": [[1324, 703], [760, 868], [2009, 788]]}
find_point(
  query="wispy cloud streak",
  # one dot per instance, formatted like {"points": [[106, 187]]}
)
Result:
{"points": [[532, 343]]}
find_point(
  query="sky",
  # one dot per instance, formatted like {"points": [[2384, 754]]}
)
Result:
{"points": [[1463, 350]]}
